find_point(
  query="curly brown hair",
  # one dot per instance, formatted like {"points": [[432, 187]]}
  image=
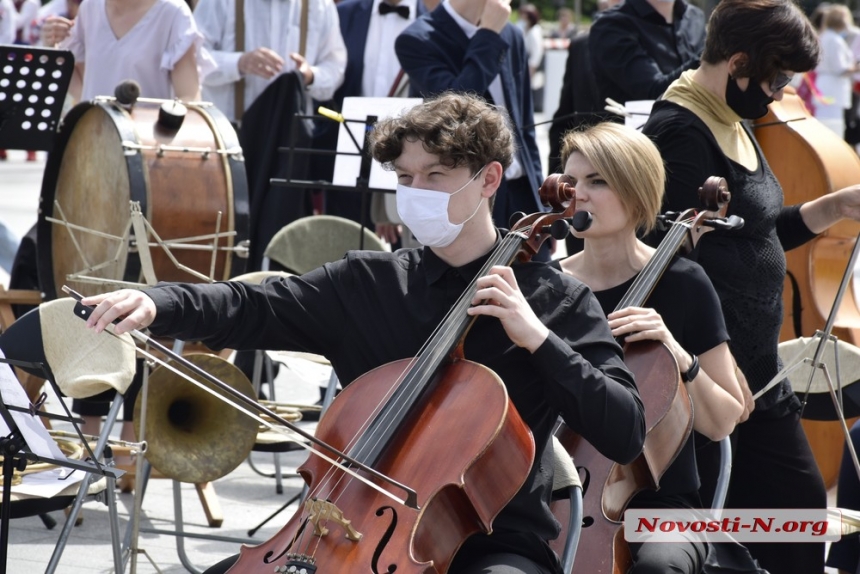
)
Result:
{"points": [[774, 34], [461, 129]]}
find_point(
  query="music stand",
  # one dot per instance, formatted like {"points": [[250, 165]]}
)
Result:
{"points": [[33, 86], [355, 170], [822, 337], [15, 448]]}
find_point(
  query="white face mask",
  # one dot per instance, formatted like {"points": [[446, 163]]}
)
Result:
{"points": [[425, 213]]}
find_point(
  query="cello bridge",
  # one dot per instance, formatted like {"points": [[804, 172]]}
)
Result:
{"points": [[320, 511]]}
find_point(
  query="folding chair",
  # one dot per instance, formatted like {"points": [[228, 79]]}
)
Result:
{"points": [[300, 247], [566, 485], [82, 364]]}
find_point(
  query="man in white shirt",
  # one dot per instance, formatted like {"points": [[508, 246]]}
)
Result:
{"points": [[271, 47]]}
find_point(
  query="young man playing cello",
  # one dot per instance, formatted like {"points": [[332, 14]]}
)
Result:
{"points": [[542, 332]]}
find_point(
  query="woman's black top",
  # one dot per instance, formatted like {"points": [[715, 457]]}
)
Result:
{"points": [[688, 304], [747, 266]]}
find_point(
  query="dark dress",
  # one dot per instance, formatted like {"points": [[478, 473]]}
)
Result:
{"points": [[773, 465]]}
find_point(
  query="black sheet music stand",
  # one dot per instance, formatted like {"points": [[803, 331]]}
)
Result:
{"points": [[33, 86], [16, 452], [362, 184]]}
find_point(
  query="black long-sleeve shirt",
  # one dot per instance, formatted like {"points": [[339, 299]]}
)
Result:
{"points": [[372, 308], [636, 54]]}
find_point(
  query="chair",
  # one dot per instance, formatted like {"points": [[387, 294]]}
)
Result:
{"points": [[82, 364], [567, 485], [300, 247], [722, 487], [310, 242]]}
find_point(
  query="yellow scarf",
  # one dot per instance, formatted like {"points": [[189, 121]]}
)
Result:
{"points": [[724, 123]]}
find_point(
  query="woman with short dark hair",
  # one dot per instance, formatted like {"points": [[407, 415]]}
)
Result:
{"points": [[752, 51]]}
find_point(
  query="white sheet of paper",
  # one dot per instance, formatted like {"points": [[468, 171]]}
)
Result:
{"points": [[642, 109], [48, 483], [346, 167], [31, 427]]}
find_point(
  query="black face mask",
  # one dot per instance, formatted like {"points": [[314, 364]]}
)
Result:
{"points": [[751, 104]]}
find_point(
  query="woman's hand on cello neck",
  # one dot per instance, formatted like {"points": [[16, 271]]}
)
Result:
{"points": [[498, 295], [718, 400], [135, 309]]}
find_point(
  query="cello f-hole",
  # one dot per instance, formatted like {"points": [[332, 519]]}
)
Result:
{"points": [[383, 541]]}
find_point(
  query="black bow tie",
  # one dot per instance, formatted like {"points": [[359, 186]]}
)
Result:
{"points": [[384, 9]]}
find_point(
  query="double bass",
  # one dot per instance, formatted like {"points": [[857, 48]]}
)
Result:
{"points": [[608, 487], [397, 420], [809, 160]]}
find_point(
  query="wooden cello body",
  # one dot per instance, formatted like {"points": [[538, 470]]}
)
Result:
{"points": [[809, 160], [436, 427], [381, 536]]}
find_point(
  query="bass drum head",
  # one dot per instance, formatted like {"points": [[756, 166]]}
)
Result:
{"points": [[86, 184], [189, 182]]}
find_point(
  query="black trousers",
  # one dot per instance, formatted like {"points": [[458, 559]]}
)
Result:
{"points": [[773, 467], [501, 563]]}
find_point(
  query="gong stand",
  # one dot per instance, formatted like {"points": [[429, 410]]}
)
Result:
{"points": [[815, 363]]}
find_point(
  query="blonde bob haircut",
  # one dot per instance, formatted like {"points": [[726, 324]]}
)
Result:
{"points": [[628, 161]]}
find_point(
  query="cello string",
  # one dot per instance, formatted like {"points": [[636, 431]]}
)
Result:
{"points": [[452, 329], [435, 349], [654, 268]]}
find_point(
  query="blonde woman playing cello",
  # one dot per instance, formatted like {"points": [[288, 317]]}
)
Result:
{"points": [[619, 178]]}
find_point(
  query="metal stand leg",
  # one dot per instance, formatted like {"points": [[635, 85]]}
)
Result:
{"points": [[295, 498], [82, 492]]}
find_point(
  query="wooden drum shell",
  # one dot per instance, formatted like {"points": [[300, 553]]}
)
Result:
{"points": [[97, 168]]}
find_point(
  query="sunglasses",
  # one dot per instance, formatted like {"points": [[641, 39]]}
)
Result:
{"points": [[779, 82]]}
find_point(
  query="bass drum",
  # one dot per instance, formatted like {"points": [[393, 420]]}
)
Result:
{"points": [[106, 157]]}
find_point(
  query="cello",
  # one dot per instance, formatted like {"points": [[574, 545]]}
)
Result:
{"points": [[809, 160], [668, 409], [396, 420]]}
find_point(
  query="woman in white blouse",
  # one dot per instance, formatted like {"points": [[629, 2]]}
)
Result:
{"points": [[154, 42]]}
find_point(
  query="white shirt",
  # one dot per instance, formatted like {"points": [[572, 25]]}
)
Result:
{"points": [[27, 15], [272, 24], [515, 170], [380, 62], [8, 21], [534, 45], [146, 53], [836, 59]]}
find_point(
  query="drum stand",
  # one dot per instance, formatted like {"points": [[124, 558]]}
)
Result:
{"points": [[33, 87], [821, 338]]}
